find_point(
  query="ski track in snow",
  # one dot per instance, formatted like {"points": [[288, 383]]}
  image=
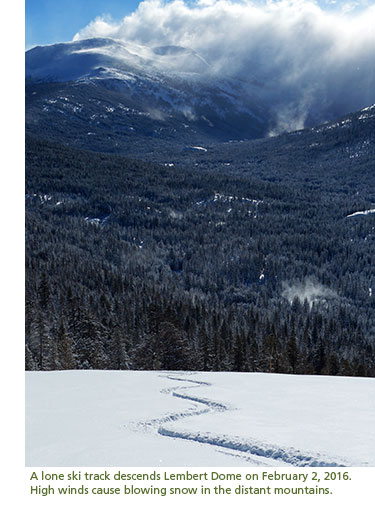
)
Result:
{"points": [[250, 450]]}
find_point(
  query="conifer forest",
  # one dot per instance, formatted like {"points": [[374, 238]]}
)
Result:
{"points": [[247, 256]]}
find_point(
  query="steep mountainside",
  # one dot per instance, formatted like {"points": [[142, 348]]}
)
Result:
{"points": [[104, 89]]}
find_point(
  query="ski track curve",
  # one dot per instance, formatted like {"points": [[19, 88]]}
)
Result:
{"points": [[250, 450]]}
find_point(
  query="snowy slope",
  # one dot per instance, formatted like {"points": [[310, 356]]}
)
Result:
{"points": [[171, 85], [174, 84], [100, 57], [109, 418]]}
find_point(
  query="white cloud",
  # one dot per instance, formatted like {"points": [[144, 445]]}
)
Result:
{"points": [[306, 57]]}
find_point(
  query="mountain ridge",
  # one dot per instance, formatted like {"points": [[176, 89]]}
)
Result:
{"points": [[180, 87]]}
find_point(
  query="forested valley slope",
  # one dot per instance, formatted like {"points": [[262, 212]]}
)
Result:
{"points": [[253, 255]]}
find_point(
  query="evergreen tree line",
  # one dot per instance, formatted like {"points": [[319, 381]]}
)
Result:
{"points": [[133, 265]]}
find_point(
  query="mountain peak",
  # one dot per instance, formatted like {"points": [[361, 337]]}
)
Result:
{"points": [[85, 58]]}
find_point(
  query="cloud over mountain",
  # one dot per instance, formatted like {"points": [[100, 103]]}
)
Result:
{"points": [[312, 63]]}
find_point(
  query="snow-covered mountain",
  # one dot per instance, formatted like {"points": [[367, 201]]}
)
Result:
{"points": [[172, 89], [101, 93], [106, 58]]}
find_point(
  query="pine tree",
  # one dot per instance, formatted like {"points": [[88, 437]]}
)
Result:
{"points": [[30, 363], [291, 350], [121, 360], [65, 356]]}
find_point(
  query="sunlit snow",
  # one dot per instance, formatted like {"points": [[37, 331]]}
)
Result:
{"points": [[155, 418], [363, 212]]}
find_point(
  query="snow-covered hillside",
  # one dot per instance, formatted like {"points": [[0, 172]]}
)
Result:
{"points": [[172, 92], [129, 418], [171, 85], [170, 78], [100, 57]]}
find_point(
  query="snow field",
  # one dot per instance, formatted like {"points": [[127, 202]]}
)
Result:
{"points": [[134, 418]]}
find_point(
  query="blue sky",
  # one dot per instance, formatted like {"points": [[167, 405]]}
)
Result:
{"points": [[51, 21]]}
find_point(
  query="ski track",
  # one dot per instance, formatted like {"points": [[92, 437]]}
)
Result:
{"points": [[250, 450]]}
